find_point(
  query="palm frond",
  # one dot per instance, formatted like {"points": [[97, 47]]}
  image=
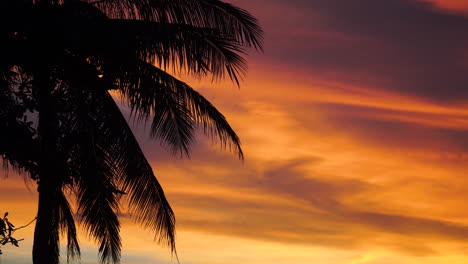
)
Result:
{"points": [[147, 202], [94, 176], [175, 105], [227, 18], [109, 152], [98, 205], [67, 226], [195, 50]]}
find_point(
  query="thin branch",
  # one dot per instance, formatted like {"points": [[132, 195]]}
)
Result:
{"points": [[25, 225]]}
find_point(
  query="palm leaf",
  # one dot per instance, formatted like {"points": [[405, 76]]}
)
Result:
{"points": [[195, 50], [192, 49], [147, 201], [227, 18], [175, 105], [87, 171], [111, 163], [67, 226], [98, 204]]}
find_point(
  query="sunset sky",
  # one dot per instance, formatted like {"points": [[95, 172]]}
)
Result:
{"points": [[354, 123]]}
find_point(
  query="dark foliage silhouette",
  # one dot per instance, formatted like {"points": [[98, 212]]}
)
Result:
{"points": [[7, 230], [60, 125]]}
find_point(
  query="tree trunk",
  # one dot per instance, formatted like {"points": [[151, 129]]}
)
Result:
{"points": [[46, 248], [46, 236]]}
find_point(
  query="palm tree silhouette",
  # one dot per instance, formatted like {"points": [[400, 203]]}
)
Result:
{"points": [[60, 125]]}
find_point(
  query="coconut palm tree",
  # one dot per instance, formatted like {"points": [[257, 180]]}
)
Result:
{"points": [[61, 63]]}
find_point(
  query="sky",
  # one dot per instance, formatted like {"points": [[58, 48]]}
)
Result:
{"points": [[354, 124]]}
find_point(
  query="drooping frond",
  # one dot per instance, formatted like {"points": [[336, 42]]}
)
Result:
{"points": [[93, 174], [175, 105], [119, 167], [67, 226], [98, 206], [135, 176]]}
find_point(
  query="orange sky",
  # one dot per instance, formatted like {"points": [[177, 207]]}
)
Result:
{"points": [[457, 6], [354, 123]]}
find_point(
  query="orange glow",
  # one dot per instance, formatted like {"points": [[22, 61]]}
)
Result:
{"points": [[351, 158], [451, 5]]}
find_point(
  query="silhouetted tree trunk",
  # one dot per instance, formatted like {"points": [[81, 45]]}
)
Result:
{"points": [[46, 248]]}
